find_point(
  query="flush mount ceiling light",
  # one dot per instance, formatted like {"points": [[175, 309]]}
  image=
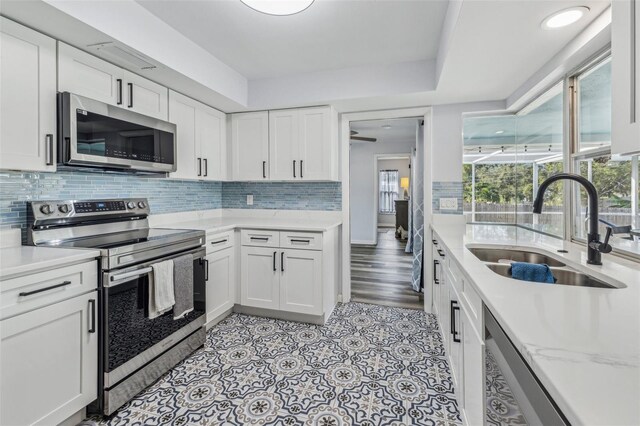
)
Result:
{"points": [[499, 132], [386, 126], [278, 7], [564, 17]]}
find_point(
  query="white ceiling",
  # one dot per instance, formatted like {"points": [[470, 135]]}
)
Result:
{"points": [[402, 129], [330, 34]]}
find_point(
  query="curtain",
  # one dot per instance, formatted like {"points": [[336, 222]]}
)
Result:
{"points": [[417, 211], [388, 183]]}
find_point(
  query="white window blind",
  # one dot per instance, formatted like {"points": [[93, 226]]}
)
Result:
{"points": [[389, 182]]}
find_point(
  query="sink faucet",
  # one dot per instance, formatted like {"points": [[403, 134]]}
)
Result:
{"points": [[594, 246]]}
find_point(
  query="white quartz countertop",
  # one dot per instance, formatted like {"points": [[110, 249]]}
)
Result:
{"points": [[219, 224], [582, 343], [21, 260]]}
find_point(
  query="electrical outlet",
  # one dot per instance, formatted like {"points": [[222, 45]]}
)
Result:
{"points": [[448, 204], [250, 199]]}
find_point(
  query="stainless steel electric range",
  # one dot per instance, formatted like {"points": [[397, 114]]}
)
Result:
{"points": [[133, 350]]}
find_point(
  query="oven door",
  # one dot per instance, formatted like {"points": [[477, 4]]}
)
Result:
{"points": [[96, 134], [129, 338]]}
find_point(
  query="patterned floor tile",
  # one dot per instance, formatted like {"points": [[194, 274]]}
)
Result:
{"points": [[369, 365], [502, 408]]}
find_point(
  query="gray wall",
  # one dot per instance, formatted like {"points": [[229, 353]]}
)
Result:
{"points": [[363, 181]]}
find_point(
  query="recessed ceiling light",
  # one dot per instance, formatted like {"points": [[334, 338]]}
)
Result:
{"points": [[499, 132], [564, 17], [386, 126], [278, 7]]}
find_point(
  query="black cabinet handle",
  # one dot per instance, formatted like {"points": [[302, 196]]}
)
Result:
{"points": [[40, 290], [206, 270], [282, 261], [435, 242], [435, 272], [454, 332], [264, 169], [206, 168], [92, 304], [274, 261], [130, 94], [301, 170], [119, 91], [259, 239], [294, 240], [294, 168], [441, 252], [199, 166], [219, 241], [49, 149]]}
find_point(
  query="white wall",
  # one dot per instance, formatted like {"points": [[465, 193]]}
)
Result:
{"points": [[402, 165], [363, 181]]}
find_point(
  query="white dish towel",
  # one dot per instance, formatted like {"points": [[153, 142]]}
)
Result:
{"points": [[161, 296]]}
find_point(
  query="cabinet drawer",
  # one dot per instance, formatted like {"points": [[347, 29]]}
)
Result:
{"points": [[219, 241], [22, 294], [301, 240], [455, 276], [260, 238]]}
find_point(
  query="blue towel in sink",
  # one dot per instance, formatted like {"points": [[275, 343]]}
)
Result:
{"points": [[540, 273]]}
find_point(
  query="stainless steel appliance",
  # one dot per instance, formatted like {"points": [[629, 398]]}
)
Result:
{"points": [[95, 134], [134, 350]]}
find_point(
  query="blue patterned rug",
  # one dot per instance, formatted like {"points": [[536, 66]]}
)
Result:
{"points": [[369, 365]]}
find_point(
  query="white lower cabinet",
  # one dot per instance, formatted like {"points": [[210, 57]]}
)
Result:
{"points": [[301, 281], [260, 278], [49, 362], [221, 282]]}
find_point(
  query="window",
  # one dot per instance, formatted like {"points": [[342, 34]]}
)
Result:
{"points": [[388, 183], [615, 177]]}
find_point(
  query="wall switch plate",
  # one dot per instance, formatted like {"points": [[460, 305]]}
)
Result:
{"points": [[249, 199], [448, 204]]}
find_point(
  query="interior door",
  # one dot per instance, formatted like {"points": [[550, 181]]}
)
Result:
{"points": [[301, 281], [146, 97], [250, 141], [182, 112], [260, 277], [315, 143], [49, 362], [27, 98], [284, 139]]}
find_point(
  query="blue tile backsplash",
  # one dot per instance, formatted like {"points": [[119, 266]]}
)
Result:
{"points": [[165, 195], [446, 190]]}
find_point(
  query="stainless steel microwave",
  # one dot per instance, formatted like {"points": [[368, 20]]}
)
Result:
{"points": [[96, 134]]}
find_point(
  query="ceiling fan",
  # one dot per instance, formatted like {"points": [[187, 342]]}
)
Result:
{"points": [[361, 138]]}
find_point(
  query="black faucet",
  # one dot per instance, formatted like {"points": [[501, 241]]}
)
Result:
{"points": [[594, 246]]}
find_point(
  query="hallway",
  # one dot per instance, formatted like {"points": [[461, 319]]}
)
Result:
{"points": [[382, 274]]}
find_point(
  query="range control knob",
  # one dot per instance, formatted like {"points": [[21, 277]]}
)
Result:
{"points": [[141, 204], [63, 208], [131, 205], [46, 209]]}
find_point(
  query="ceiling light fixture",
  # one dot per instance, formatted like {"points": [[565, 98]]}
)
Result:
{"points": [[564, 17], [386, 126], [499, 132], [278, 7]]}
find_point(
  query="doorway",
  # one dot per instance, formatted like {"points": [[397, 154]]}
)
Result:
{"points": [[382, 215]]}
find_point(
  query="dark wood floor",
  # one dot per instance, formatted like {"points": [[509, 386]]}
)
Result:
{"points": [[382, 274]]}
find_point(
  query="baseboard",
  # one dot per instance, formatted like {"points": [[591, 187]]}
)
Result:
{"points": [[218, 318], [363, 242], [287, 316]]}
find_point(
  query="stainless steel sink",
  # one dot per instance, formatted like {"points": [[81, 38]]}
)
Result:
{"points": [[564, 276], [494, 255]]}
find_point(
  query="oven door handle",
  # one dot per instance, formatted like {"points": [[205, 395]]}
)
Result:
{"points": [[136, 273]]}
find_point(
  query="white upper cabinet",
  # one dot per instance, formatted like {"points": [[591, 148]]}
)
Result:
{"points": [[301, 144], [146, 97], [89, 76], [200, 140], [625, 86], [284, 152], [250, 142], [318, 145], [27, 98]]}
